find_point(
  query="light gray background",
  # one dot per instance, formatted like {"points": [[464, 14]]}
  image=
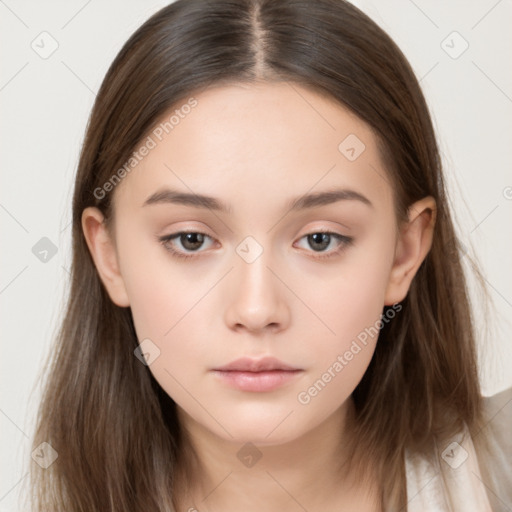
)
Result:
{"points": [[45, 103]]}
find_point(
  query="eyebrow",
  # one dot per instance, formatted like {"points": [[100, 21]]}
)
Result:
{"points": [[168, 196]]}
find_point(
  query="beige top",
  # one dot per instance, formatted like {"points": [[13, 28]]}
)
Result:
{"points": [[462, 481]]}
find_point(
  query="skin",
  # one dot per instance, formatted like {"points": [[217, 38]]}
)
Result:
{"points": [[255, 147]]}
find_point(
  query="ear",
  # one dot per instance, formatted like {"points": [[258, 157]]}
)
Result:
{"points": [[104, 254], [413, 244]]}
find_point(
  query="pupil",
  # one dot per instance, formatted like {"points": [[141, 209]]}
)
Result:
{"points": [[192, 240], [320, 238]]}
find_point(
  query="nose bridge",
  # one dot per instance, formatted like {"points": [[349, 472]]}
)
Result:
{"points": [[255, 281], [257, 298]]}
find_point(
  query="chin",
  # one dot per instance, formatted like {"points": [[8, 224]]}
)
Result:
{"points": [[260, 436], [264, 428]]}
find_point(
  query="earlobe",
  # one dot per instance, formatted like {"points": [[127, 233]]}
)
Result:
{"points": [[104, 255], [414, 243]]}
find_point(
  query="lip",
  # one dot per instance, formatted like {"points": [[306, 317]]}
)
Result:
{"points": [[246, 364], [257, 375]]}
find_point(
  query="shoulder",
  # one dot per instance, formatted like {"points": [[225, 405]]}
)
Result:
{"points": [[467, 474], [498, 410], [496, 459]]}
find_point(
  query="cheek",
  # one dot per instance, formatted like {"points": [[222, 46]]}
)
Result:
{"points": [[348, 301], [168, 312], [156, 308], [168, 308], [350, 305], [159, 293], [352, 309]]}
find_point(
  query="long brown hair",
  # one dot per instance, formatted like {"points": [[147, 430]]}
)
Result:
{"points": [[115, 430]]}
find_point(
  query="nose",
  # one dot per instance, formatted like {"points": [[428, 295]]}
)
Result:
{"points": [[257, 301]]}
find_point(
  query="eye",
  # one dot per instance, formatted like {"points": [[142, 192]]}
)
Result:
{"points": [[192, 241], [189, 241], [322, 240]]}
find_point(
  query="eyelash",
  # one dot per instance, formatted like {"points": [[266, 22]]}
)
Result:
{"points": [[345, 242]]}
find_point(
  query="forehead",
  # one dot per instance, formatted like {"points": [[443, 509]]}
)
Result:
{"points": [[245, 140]]}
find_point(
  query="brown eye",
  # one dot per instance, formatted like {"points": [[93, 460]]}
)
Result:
{"points": [[189, 243], [322, 240], [319, 241]]}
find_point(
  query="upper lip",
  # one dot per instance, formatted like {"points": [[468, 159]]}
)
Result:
{"points": [[246, 364]]}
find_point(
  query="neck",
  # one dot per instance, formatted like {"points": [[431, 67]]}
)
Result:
{"points": [[306, 473]]}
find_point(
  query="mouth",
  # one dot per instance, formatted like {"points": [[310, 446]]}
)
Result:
{"points": [[261, 375]]}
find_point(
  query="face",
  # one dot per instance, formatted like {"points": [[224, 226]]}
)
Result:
{"points": [[270, 270]]}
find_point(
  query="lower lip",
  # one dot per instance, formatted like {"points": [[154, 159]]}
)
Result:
{"points": [[257, 381]]}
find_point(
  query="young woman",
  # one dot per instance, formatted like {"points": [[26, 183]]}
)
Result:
{"points": [[267, 308]]}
